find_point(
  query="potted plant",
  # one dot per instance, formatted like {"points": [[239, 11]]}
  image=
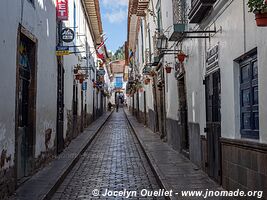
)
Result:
{"points": [[79, 77], [152, 73], [168, 69], [259, 8], [139, 85], [147, 81], [181, 56]]}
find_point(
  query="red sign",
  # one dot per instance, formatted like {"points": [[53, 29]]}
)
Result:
{"points": [[62, 9]]}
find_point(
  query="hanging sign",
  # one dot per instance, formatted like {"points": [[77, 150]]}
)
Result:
{"points": [[84, 86], [67, 35], [212, 58], [62, 51], [62, 9]]}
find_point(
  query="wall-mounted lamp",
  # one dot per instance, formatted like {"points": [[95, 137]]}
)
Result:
{"points": [[162, 42]]}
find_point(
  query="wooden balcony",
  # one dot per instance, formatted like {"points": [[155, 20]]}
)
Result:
{"points": [[138, 7], [199, 9]]}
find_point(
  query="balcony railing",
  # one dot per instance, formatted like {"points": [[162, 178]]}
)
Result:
{"points": [[199, 9], [179, 19]]}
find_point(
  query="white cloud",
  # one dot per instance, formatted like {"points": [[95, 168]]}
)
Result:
{"points": [[115, 3], [116, 15]]}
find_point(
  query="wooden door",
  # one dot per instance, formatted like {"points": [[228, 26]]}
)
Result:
{"points": [[183, 115], [213, 124], [26, 104]]}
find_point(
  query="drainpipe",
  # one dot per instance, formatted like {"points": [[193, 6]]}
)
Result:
{"points": [[244, 25]]}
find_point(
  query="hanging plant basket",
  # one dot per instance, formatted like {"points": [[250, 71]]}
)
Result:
{"points": [[152, 73], [146, 81], [79, 76], [81, 80], [168, 69], [261, 19], [181, 56]]}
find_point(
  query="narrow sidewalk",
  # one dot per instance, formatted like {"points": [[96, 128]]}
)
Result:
{"points": [[174, 171], [44, 183]]}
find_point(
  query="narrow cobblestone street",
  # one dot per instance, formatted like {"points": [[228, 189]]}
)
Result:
{"points": [[114, 161], [133, 99]]}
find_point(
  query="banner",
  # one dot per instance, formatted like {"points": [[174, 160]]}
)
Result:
{"points": [[62, 9], [99, 52]]}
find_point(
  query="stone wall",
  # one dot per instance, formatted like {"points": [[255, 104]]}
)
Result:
{"points": [[173, 134], [194, 143], [69, 131], [43, 159], [142, 117], [244, 165], [151, 121], [204, 155], [7, 182]]}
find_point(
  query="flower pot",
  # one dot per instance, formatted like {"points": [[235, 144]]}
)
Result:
{"points": [[168, 69], [81, 80], [78, 76], [147, 81], [261, 19], [152, 73], [181, 57]]}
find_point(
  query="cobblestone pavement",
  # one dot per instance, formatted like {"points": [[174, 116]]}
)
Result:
{"points": [[114, 161]]}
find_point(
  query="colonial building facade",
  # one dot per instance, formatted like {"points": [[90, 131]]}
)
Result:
{"points": [[44, 104], [209, 104]]}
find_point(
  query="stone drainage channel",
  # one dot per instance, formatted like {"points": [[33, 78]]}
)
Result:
{"points": [[114, 162]]}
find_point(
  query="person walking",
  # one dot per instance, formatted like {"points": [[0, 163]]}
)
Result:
{"points": [[117, 103]]}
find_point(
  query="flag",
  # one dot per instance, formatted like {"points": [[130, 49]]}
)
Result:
{"points": [[99, 51], [100, 54]]}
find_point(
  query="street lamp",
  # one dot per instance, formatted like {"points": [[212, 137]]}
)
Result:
{"points": [[162, 42]]}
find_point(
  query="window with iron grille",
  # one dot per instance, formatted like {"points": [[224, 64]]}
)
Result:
{"points": [[249, 103]]}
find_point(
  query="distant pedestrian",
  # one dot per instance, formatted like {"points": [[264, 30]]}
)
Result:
{"points": [[117, 107], [117, 103]]}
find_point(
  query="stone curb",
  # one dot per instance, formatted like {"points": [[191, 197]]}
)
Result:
{"points": [[156, 171], [49, 188]]}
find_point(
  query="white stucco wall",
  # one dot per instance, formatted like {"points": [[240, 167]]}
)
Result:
{"points": [[8, 45], [82, 35], [171, 90], [234, 40], [39, 20]]}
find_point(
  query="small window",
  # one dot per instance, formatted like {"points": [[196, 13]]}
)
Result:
{"points": [[249, 98]]}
